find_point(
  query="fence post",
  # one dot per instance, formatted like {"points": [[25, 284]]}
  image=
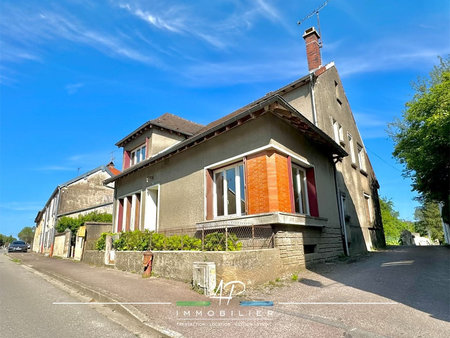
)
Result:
{"points": [[253, 236], [203, 238], [226, 238]]}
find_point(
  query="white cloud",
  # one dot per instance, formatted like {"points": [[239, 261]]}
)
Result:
{"points": [[72, 88]]}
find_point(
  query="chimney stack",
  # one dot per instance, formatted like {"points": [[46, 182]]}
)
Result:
{"points": [[312, 49]]}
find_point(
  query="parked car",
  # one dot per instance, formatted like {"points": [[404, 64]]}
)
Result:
{"points": [[18, 246]]}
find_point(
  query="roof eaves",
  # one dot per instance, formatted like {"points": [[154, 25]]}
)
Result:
{"points": [[267, 101]]}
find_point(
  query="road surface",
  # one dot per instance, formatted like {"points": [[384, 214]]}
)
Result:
{"points": [[27, 309]]}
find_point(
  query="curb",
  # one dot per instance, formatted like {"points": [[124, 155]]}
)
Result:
{"points": [[102, 296]]}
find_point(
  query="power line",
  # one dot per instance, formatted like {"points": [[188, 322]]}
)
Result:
{"points": [[382, 159]]}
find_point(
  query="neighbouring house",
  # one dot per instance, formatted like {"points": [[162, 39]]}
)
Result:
{"points": [[293, 161], [81, 195]]}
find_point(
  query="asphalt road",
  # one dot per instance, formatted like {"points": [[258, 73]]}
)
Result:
{"points": [[27, 309]]}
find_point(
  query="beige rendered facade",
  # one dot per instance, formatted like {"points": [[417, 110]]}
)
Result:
{"points": [[81, 195], [293, 160]]}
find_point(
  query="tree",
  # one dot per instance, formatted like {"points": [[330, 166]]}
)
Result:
{"points": [[392, 225], [27, 234], [422, 137], [428, 221], [74, 223], [6, 239]]}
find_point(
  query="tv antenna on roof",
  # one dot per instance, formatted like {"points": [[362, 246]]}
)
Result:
{"points": [[316, 12]]}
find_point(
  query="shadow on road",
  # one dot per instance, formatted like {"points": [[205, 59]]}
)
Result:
{"points": [[418, 277]]}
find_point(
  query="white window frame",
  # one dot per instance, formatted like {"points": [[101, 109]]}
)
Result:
{"points": [[133, 159], [336, 130], [361, 157], [352, 148], [368, 200], [301, 186], [238, 179]]}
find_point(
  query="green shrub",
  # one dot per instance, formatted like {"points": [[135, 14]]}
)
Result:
{"points": [[74, 223], [216, 242], [147, 240], [101, 241]]}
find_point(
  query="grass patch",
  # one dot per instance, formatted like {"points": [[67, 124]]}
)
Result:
{"points": [[16, 260], [294, 277]]}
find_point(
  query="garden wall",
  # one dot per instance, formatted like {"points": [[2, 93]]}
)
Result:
{"points": [[250, 266]]}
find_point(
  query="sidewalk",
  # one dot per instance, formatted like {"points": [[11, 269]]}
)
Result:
{"points": [[374, 297], [163, 315]]}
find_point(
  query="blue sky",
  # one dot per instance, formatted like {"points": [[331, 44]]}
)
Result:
{"points": [[77, 76]]}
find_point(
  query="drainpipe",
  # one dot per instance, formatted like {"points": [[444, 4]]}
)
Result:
{"points": [[341, 212], [311, 87]]}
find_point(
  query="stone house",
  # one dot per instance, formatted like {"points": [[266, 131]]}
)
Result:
{"points": [[81, 195], [293, 160]]}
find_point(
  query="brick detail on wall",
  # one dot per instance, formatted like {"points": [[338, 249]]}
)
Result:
{"points": [[267, 177], [257, 184]]}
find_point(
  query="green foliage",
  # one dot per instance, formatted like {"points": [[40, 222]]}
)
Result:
{"points": [[216, 242], [146, 240], [27, 234], [294, 277], [6, 239], [133, 241], [141, 241], [428, 221], [74, 223], [422, 137], [392, 225], [101, 241]]}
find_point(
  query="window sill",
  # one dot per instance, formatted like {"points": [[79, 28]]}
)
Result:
{"points": [[264, 219], [363, 172], [354, 166]]}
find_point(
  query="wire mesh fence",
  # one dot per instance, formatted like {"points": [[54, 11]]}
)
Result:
{"points": [[229, 238]]}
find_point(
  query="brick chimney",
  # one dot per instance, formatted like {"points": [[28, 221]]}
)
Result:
{"points": [[312, 48]]}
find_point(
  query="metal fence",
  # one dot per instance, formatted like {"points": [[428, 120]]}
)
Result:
{"points": [[246, 237]]}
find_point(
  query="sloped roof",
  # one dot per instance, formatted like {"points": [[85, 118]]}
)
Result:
{"points": [[167, 121], [282, 109]]}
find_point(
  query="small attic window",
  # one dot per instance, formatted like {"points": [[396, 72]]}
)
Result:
{"points": [[336, 90]]}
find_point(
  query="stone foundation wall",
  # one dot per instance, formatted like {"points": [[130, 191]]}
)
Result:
{"points": [[94, 257]]}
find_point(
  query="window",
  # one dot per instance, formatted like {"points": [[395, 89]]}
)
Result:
{"points": [[128, 213], [229, 191], [369, 207], [361, 158], [352, 148], [138, 155], [300, 190], [336, 131]]}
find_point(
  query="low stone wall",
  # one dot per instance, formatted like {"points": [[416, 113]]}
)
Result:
{"points": [[251, 266], [130, 261], [94, 257]]}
